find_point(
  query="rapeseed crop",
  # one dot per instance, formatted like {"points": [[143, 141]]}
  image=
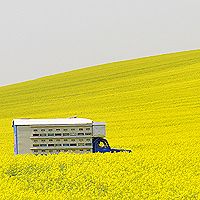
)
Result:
{"points": [[150, 105]]}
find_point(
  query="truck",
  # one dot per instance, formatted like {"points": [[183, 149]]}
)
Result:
{"points": [[72, 135]]}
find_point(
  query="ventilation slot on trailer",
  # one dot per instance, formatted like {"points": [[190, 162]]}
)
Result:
{"points": [[88, 144], [43, 145]]}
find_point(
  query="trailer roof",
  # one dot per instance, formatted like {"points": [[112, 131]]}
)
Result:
{"points": [[63, 121]]}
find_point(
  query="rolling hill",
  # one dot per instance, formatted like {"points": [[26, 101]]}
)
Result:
{"points": [[151, 105]]}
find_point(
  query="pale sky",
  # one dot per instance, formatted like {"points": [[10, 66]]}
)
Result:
{"points": [[44, 37]]}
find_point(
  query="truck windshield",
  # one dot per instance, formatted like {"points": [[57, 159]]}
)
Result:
{"points": [[102, 144]]}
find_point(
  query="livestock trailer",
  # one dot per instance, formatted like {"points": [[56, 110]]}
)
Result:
{"points": [[43, 136]]}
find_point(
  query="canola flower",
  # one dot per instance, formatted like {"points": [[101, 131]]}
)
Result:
{"points": [[150, 105]]}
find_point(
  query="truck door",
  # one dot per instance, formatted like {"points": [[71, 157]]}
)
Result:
{"points": [[102, 146]]}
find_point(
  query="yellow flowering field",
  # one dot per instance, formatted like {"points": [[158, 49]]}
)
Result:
{"points": [[150, 105]]}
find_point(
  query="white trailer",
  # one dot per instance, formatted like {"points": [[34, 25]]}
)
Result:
{"points": [[43, 136]]}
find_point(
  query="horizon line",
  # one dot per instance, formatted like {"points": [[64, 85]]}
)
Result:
{"points": [[96, 65]]}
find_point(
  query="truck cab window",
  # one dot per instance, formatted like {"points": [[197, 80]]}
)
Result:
{"points": [[102, 144]]}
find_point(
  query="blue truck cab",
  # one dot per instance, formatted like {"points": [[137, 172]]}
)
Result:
{"points": [[101, 145]]}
